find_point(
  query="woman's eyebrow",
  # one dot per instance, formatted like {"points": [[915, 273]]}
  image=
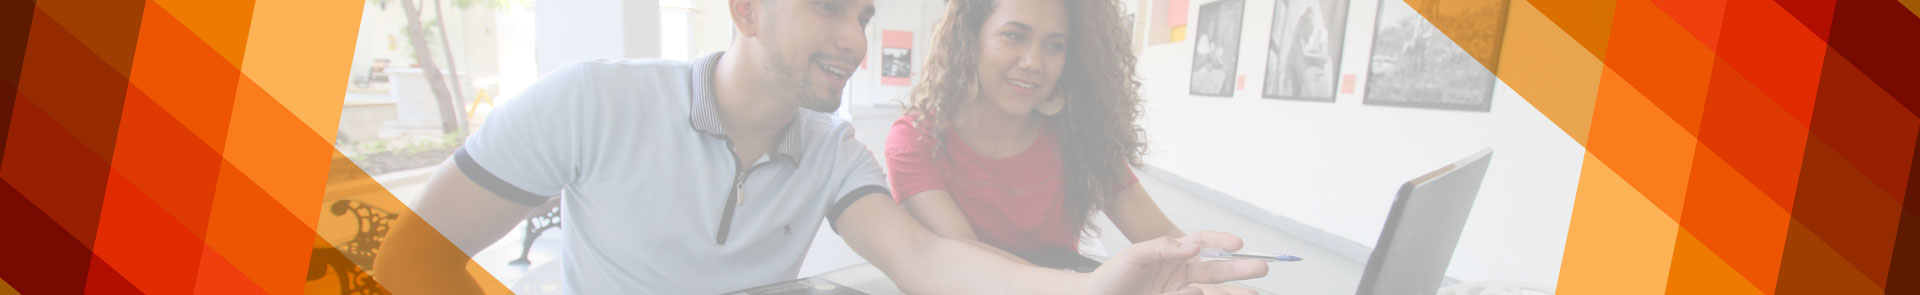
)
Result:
{"points": [[1024, 27], [1018, 24]]}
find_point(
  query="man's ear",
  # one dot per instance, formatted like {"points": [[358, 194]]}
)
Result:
{"points": [[746, 16]]}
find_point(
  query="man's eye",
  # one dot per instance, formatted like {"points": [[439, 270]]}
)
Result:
{"points": [[829, 8]]}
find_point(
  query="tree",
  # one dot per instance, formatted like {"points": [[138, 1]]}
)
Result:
{"points": [[447, 94], [446, 46], [446, 101]]}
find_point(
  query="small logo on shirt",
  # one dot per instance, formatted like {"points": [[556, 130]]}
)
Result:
{"points": [[787, 228]]}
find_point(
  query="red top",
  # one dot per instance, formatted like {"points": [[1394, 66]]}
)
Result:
{"points": [[1012, 203]]}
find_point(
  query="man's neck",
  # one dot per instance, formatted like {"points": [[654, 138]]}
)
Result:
{"points": [[751, 115]]}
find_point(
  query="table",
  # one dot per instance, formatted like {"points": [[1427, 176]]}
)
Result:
{"points": [[868, 279]]}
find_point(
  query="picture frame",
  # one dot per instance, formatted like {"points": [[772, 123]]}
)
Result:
{"points": [[1305, 47], [1216, 53], [1414, 64]]}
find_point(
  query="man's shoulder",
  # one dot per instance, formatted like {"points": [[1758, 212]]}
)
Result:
{"points": [[631, 70], [818, 127], [628, 85]]}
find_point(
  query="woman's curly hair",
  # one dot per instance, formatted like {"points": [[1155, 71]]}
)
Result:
{"points": [[1096, 129]]}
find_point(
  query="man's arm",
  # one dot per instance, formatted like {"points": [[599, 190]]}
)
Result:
{"points": [[937, 210], [416, 259], [1135, 214], [920, 261]]}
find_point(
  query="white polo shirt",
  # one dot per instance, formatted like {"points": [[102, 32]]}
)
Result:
{"points": [[649, 178]]}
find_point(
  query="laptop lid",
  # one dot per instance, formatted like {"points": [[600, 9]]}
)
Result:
{"points": [[1423, 227]]}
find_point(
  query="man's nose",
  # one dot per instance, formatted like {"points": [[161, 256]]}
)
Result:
{"points": [[850, 40]]}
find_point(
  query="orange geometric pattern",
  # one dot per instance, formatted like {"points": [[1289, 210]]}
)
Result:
{"points": [[174, 146], [1733, 146]]}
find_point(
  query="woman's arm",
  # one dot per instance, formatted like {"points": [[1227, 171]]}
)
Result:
{"points": [[1139, 218], [936, 210]]}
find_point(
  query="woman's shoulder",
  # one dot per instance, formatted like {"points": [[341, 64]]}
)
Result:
{"points": [[907, 134], [906, 124]]}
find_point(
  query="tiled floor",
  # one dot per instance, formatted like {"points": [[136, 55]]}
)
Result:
{"points": [[1323, 272]]}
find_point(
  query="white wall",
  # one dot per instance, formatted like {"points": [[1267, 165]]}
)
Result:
{"points": [[573, 30], [1337, 166], [917, 16]]}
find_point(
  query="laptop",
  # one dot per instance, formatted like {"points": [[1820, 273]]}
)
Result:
{"points": [[1423, 228]]}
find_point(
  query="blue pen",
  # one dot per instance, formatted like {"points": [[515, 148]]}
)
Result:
{"points": [[1224, 254]]}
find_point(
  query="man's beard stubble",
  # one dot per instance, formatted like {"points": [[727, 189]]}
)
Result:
{"points": [[801, 86]]}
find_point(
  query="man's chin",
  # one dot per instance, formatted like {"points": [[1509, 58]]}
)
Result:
{"points": [[825, 104]]}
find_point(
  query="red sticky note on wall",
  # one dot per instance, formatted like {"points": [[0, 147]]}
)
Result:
{"points": [[1241, 84], [1176, 13], [1346, 84], [896, 39]]}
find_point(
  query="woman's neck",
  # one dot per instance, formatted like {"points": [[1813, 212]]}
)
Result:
{"points": [[993, 133]]}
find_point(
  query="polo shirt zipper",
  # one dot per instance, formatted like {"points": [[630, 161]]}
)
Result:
{"points": [[738, 196], [734, 197]]}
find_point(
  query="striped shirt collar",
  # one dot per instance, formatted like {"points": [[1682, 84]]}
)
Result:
{"points": [[705, 114]]}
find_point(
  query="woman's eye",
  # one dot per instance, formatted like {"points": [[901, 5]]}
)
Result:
{"points": [[1056, 46], [829, 8], [1014, 36]]}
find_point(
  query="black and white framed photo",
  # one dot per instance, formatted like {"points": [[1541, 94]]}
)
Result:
{"points": [[1415, 65], [1216, 52], [896, 63], [1303, 49]]}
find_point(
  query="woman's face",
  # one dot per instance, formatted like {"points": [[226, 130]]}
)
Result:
{"points": [[1023, 48]]}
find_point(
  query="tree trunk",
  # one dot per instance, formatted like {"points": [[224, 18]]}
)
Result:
{"points": [[436, 83], [446, 47]]}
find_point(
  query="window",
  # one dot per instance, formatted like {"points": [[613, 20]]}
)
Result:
{"points": [[676, 24]]}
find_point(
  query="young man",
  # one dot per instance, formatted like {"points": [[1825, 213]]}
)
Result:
{"points": [[706, 177]]}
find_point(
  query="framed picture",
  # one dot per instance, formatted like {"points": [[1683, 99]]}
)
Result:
{"points": [[1303, 49], [896, 58], [1216, 51], [1415, 65], [895, 62]]}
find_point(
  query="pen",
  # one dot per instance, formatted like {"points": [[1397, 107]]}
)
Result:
{"points": [[1224, 254]]}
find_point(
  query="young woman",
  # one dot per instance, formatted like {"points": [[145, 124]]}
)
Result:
{"points": [[1023, 127]]}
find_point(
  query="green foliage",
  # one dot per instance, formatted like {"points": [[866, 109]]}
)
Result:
{"points": [[408, 145], [489, 4]]}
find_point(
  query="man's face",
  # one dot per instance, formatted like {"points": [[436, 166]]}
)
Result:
{"points": [[812, 48]]}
